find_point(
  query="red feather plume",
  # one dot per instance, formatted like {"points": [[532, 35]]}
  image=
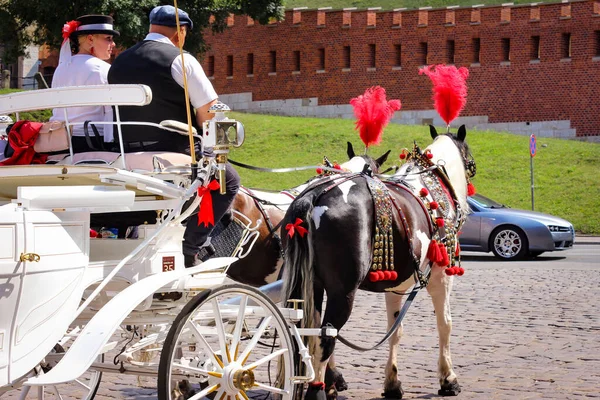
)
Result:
{"points": [[449, 89], [373, 113]]}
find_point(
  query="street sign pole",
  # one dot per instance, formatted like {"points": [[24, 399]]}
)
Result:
{"points": [[532, 189], [532, 151]]}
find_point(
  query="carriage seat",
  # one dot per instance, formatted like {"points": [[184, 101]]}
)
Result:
{"points": [[140, 161]]}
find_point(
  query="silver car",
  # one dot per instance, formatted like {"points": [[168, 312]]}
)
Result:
{"points": [[512, 234]]}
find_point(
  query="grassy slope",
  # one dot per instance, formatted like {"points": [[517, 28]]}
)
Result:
{"points": [[390, 4], [567, 183]]}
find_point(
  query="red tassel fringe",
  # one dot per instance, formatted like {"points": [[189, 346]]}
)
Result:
{"points": [[470, 189], [433, 252], [444, 252]]}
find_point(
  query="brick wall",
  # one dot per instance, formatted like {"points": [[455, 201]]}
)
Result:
{"points": [[508, 84]]}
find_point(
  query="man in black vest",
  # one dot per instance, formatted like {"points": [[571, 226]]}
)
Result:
{"points": [[156, 62]]}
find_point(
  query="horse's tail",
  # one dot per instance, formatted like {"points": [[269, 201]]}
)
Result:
{"points": [[298, 261]]}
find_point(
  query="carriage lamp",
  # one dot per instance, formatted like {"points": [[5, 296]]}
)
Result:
{"points": [[221, 133]]}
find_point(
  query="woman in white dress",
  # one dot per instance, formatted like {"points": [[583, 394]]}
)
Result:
{"points": [[88, 43]]}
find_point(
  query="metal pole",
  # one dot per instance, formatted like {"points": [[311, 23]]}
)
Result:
{"points": [[532, 189]]}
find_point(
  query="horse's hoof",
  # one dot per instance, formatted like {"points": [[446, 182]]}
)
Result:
{"points": [[332, 393], [315, 391], [394, 391], [335, 377], [449, 389]]}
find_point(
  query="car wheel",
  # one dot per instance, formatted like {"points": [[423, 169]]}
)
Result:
{"points": [[508, 243], [534, 254]]}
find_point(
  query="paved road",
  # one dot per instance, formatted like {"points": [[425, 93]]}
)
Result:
{"points": [[522, 330]]}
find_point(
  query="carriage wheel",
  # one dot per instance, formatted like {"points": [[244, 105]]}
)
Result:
{"points": [[85, 387], [231, 343]]}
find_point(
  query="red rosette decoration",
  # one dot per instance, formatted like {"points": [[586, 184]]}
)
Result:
{"points": [[69, 28]]}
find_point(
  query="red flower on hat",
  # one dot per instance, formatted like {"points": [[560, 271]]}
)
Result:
{"points": [[69, 28]]}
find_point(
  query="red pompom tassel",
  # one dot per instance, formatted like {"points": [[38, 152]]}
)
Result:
{"points": [[373, 277], [461, 271], [440, 222], [423, 192], [402, 156], [93, 233], [393, 275], [434, 205], [429, 155], [444, 255], [337, 166], [319, 171], [449, 271], [470, 189], [380, 275], [387, 275]]}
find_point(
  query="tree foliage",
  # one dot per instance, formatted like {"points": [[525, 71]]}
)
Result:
{"points": [[25, 22]]}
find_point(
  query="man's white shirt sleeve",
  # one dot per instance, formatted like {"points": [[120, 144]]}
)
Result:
{"points": [[200, 88]]}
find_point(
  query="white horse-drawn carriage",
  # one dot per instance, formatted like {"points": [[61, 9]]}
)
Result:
{"points": [[73, 307]]}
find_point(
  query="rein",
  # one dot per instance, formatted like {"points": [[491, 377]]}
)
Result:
{"points": [[392, 330], [279, 170]]}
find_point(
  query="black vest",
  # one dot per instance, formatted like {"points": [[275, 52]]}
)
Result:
{"points": [[149, 63]]}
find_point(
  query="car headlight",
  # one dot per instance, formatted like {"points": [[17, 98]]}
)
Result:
{"points": [[556, 228]]}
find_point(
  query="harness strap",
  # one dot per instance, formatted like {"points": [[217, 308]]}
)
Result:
{"points": [[423, 279], [392, 330], [272, 229]]}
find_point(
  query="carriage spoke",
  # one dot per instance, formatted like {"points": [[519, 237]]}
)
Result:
{"points": [[82, 384], [197, 370], [24, 392], [243, 394], [56, 393], [254, 340], [238, 326], [206, 345], [207, 391], [220, 331], [267, 358], [271, 388]]}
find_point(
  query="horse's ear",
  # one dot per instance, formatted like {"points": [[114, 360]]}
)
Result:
{"points": [[382, 159], [432, 131], [461, 134], [350, 151]]}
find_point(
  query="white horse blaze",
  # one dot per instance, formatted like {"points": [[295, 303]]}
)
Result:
{"points": [[317, 213]]}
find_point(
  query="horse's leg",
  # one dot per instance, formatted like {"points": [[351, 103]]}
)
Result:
{"points": [[392, 387], [339, 307], [439, 288]]}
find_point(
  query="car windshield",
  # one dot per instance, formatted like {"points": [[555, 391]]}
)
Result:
{"points": [[484, 202]]}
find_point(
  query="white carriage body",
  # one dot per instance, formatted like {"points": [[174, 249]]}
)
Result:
{"points": [[53, 277]]}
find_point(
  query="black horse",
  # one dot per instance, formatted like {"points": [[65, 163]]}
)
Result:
{"points": [[361, 233]]}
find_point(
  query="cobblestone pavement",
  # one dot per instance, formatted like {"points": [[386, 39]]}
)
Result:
{"points": [[521, 330]]}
